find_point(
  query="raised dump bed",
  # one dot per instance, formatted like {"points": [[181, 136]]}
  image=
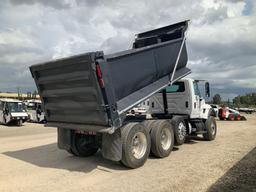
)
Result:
{"points": [[88, 96], [93, 91]]}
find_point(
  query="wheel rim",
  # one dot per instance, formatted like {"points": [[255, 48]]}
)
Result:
{"points": [[182, 130], [166, 138], [213, 128], [139, 145]]}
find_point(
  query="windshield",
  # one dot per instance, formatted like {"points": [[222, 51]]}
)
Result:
{"points": [[196, 89], [15, 107], [31, 106]]}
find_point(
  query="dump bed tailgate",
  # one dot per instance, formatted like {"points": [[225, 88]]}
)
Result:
{"points": [[69, 90]]}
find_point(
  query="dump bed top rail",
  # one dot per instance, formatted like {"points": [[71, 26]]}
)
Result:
{"points": [[94, 91]]}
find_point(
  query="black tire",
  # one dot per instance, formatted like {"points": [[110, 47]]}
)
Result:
{"points": [[211, 128], [162, 147], [83, 145], [180, 130], [135, 135], [19, 123], [149, 124], [243, 118]]}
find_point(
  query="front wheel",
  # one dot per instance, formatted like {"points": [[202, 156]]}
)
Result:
{"points": [[135, 145], [211, 129], [180, 129]]}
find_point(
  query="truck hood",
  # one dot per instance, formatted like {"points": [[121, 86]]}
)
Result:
{"points": [[19, 114], [207, 106]]}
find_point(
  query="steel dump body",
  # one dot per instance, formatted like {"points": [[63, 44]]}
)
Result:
{"points": [[94, 91]]}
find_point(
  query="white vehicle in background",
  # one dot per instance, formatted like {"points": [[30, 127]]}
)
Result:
{"points": [[246, 110], [34, 110], [12, 111], [140, 110]]}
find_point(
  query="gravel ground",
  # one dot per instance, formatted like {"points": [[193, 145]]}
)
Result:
{"points": [[31, 161]]}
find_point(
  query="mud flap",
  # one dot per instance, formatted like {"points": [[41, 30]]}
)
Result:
{"points": [[112, 146], [64, 138]]}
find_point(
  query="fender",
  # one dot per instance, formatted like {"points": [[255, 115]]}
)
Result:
{"points": [[206, 112]]}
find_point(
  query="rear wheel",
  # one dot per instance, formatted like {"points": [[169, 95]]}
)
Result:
{"points": [[211, 129], [135, 145], [19, 122], [149, 124], [162, 138], [180, 130], [83, 145], [231, 117], [238, 117]]}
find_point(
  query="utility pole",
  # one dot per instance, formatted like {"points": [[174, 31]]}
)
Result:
{"points": [[18, 91]]}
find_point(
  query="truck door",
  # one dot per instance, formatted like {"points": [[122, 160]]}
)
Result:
{"points": [[178, 99], [196, 101]]}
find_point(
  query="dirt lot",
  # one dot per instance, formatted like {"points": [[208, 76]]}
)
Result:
{"points": [[31, 161]]}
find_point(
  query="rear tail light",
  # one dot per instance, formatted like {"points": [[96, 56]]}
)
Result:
{"points": [[98, 71], [99, 75]]}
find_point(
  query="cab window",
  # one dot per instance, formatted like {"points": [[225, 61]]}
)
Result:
{"points": [[176, 87]]}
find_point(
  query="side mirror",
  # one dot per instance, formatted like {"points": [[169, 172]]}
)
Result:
{"points": [[207, 89], [6, 111]]}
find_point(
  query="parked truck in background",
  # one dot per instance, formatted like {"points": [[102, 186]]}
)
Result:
{"points": [[12, 111], [88, 96]]}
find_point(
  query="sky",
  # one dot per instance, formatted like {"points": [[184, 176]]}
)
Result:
{"points": [[221, 39]]}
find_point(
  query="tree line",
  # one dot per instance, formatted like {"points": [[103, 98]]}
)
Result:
{"points": [[239, 101], [245, 100]]}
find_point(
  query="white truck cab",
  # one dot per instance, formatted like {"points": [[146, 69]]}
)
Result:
{"points": [[183, 98], [184, 105], [12, 111]]}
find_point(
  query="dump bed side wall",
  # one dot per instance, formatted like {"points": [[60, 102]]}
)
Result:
{"points": [[132, 72], [69, 90]]}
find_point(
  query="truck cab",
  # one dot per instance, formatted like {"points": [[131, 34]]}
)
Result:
{"points": [[182, 98], [183, 104], [12, 111]]}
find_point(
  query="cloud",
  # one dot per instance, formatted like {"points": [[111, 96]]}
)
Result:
{"points": [[56, 4], [221, 37]]}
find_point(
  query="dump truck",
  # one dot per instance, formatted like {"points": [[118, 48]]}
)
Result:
{"points": [[87, 97], [12, 111]]}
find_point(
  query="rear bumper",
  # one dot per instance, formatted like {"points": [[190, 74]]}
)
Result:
{"points": [[81, 127]]}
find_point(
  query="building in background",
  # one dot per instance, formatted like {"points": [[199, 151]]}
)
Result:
{"points": [[20, 96]]}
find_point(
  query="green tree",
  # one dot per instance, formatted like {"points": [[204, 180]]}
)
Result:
{"points": [[237, 101], [245, 100], [216, 99]]}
